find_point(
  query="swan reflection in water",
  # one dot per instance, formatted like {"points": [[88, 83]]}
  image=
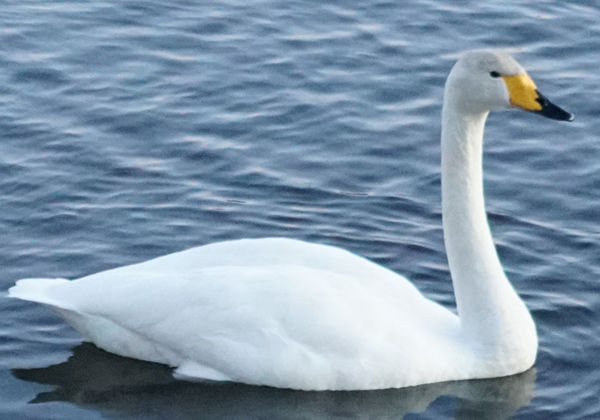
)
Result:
{"points": [[122, 388]]}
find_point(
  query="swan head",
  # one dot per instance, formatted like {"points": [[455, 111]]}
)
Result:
{"points": [[489, 80]]}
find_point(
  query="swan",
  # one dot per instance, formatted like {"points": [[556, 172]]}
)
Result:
{"points": [[285, 313]]}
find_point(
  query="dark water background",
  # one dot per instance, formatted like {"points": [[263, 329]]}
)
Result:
{"points": [[132, 129]]}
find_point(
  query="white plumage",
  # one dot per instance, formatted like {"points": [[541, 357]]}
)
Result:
{"points": [[286, 313]]}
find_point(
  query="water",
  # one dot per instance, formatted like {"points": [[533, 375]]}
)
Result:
{"points": [[133, 129]]}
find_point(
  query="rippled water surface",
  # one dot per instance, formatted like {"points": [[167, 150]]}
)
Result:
{"points": [[136, 128]]}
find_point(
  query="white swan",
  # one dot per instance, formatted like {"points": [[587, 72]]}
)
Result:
{"points": [[290, 314]]}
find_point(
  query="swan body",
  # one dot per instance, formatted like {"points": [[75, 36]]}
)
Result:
{"points": [[291, 314]]}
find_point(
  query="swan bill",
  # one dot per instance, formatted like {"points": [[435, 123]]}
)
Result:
{"points": [[523, 94], [549, 110]]}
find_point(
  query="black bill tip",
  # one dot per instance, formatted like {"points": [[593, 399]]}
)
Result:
{"points": [[549, 110]]}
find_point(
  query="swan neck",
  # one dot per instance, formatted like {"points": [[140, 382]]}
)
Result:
{"points": [[487, 304]]}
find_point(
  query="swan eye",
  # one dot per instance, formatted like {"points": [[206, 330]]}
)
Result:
{"points": [[495, 74]]}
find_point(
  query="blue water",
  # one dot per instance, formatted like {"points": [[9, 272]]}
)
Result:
{"points": [[136, 128]]}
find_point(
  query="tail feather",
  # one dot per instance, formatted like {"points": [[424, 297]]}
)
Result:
{"points": [[36, 290]]}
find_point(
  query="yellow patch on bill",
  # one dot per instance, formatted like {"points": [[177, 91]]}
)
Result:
{"points": [[522, 92]]}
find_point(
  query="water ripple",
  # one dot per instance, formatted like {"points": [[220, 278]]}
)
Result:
{"points": [[129, 130]]}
